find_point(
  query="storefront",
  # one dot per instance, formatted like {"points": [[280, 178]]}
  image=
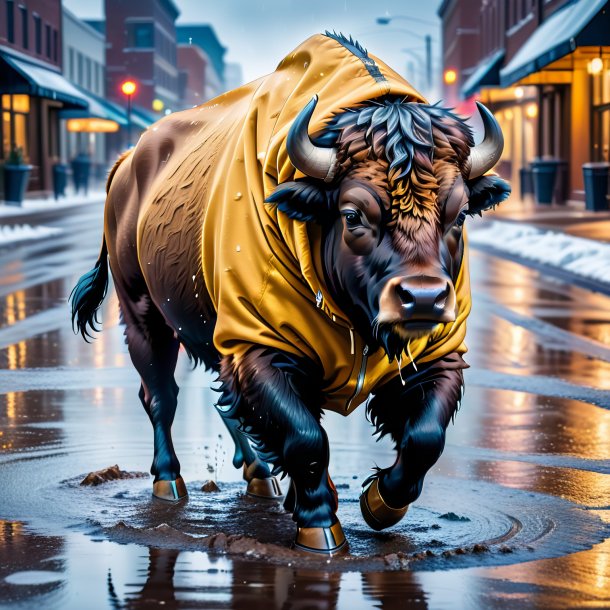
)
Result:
{"points": [[32, 96], [564, 64]]}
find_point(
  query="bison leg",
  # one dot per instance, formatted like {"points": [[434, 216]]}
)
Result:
{"points": [[261, 483], [153, 349], [416, 416], [280, 411]]}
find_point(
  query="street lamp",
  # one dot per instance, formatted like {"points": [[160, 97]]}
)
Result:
{"points": [[128, 88]]}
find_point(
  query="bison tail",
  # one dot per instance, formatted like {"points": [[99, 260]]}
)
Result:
{"points": [[87, 296]]}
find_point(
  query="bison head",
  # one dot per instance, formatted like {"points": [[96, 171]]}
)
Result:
{"points": [[391, 183]]}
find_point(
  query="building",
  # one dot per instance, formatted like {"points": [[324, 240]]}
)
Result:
{"points": [[84, 56], [141, 46], [460, 42], [32, 88], [192, 65], [543, 68], [204, 37]]}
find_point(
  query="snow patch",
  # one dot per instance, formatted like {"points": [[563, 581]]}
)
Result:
{"points": [[583, 257], [41, 204], [12, 234]]}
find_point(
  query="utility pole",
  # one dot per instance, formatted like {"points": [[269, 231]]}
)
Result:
{"points": [[429, 62]]}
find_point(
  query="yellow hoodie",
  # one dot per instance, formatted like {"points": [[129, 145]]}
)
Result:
{"points": [[262, 269]]}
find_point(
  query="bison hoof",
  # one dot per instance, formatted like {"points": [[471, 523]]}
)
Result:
{"points": [[375, 511], [172, 491], [321, 540], [264, 488]]}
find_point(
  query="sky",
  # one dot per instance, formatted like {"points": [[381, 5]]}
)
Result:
{"points": [[259, 33]]}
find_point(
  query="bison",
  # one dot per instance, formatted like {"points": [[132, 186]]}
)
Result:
{"points": [[303, 237]]}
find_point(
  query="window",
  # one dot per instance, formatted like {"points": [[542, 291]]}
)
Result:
{"points": [[88, 71], [47, 29], [38, 34], [15, 110], [79, 75], [140, 35], [71, 64], [55, 45], [24, 27], [10, 20]]}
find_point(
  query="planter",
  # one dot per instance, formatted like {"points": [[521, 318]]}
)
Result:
{"points": [[16, 179]]}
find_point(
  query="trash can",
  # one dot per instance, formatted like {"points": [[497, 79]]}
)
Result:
{"points": [[545, 173], [597, 177], [60, 179], [81, 168], [526, 180]]}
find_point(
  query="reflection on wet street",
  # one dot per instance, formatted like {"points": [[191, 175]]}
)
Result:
{"points": [[515, 514]]}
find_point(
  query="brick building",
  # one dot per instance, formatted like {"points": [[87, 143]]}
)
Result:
{"points": [[32, 88], [204, 37], [192, 65], [543, 67], [141, 46]]}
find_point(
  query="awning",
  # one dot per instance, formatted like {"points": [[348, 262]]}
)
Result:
{"points": [[97, 108], [21, 76], [487, 72], [579, 23]]}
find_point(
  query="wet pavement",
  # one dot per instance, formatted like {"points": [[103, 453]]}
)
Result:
{"points": [[515, 514]]}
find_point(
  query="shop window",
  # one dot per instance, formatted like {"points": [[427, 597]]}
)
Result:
{"points": [[140, 35], [25, 39], [15, 111], [10, 20], [38, 34]]}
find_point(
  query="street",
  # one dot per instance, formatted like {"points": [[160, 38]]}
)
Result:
{"points": [[516, 513]]}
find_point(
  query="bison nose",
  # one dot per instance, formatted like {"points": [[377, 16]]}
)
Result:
{"points": [[423, 296]]}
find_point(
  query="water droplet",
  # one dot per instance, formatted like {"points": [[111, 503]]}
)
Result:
{"points": [[196, 295], [238, 248], [168, 299], [237, 196], [193, 278], [179, 327]]}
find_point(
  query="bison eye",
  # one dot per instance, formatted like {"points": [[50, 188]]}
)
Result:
{"points": [[352, 219]]}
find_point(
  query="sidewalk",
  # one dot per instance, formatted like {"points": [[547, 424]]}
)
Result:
{"points": [[568, 242], [29, 221], [567, 219]]}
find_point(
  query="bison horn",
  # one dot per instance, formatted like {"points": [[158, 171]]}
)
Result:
{"points": [[315, 161], [485, 155]]}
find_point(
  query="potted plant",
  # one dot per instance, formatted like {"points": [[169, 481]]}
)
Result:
{"points": [[16, 176]]}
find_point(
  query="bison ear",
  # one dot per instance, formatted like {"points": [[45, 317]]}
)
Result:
{"points": [[486, 192], [300, 200]]}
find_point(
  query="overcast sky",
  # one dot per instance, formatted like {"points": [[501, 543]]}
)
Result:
{"points": [[259, 33]]}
